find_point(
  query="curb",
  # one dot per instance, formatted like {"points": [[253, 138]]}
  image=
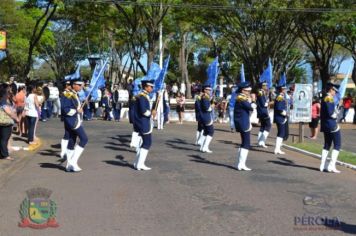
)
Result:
{"points": [[317, 156]]}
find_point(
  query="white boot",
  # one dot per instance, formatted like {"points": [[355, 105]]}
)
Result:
{"points": [[279, 142], [197, 137], [206, 144], [69, 166], [332, 164], [141, 160], [134, 137], [324, 155], [136, 158], [202, 141], [264, 138], [64, 144], [238, 158], [242, 162], [259, 138], [138, 143], [78, 150], [201, 138]]}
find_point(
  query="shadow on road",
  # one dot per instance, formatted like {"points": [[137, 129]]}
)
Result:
{"points": [[181, 148], [223, 130], [228, 142], [116, 148], [120, 162], [172, 143], [118, 144], [52, 166], [19, 139], [286, 162], [123, 139], [200, 159], [57, 146], [179, 141], [344, 227], [49, 152], [260, 149]]}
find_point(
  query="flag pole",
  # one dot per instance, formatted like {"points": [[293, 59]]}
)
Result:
{"points": [[158, 95], [161, 39]]}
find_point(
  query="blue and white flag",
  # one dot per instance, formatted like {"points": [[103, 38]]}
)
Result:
{"points": [[283, 80], [153, 72], [97, 81], [342, 89], [160, 81], [75, 75], [242, 74], [213, 72], [267, 75], [82, 95]]}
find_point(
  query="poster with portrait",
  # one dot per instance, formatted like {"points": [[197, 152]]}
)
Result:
{"points": [[2, 40], [302, 103]]}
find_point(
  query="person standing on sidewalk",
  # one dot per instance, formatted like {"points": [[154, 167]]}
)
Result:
{"points": [[180, 106], [20, 106], [6, 122], [331, 129], [346, 103], [243, 107], [354, 111], [314, 124], [32, 110]]}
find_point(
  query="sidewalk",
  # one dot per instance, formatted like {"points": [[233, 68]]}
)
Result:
{"points": [[21, 157]]}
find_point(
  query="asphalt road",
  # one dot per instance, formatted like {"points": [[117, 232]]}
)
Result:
{"points": [[185, 193]]}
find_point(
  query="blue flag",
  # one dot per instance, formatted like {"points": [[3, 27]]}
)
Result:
{"points": [[267, 74], [283, 80], [242, 74], [97, 81], [81, 95], [213, 72], [153, 72], [342, 89], [160, 81]]}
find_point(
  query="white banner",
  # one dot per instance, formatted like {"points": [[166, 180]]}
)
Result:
{"points": [[302, 103]]}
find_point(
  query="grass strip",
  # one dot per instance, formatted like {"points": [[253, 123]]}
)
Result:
{"points": [[348, 157]]}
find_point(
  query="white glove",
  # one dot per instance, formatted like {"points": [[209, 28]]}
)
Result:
{"points": [[334, 115], [266, 104], [284, 113], [253, 105]]}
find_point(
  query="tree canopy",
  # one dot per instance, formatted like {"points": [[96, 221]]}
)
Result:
{"points": [[60, 33]]}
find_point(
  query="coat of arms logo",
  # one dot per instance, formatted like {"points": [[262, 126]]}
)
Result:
{"points": [[37, 211]]}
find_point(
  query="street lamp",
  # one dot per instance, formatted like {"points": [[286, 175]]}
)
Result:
{"points": [[92, 61]]}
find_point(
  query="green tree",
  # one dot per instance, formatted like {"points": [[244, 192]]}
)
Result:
{"points": [[258, 31], [42, 12], [320, 31], [347, 38]]}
